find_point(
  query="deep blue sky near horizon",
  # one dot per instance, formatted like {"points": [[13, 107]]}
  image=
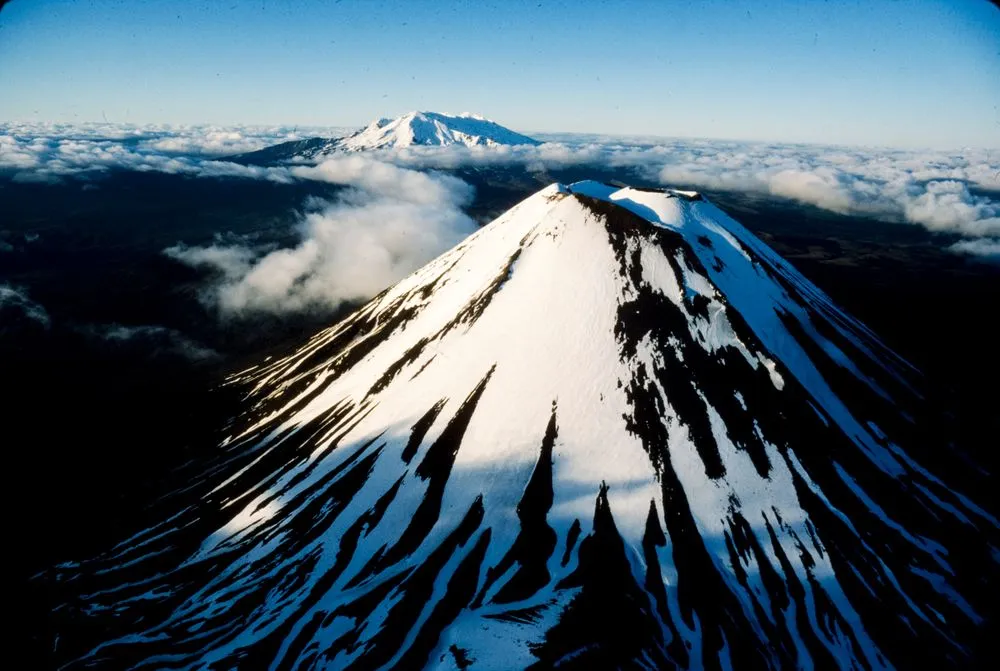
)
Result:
{"points": [[902, 73]]}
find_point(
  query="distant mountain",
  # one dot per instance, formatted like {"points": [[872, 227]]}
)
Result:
{"points": [[413, 129], [611, 429], [431, 128]]}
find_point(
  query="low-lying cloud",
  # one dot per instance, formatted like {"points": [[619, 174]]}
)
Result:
{"points": [[18, 309], [934, 189], [389, 222], [951, 192], [217, 141], [154, 340], [16, 298], [985, 249], [52, 160], [54, 152], [948, 206]]}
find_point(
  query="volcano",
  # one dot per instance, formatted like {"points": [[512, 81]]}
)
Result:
{"points": [[611, 429], [409, 130]]}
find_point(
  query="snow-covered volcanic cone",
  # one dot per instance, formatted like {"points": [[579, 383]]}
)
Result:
{"points": [[612, 429]]}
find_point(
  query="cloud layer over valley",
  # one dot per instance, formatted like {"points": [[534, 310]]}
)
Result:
{"points": [[398, 209], [16, 299], [934, 189], [54, 152], [388, 222]]}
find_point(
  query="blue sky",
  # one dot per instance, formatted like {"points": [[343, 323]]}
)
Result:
{"points": [[872, 72]]}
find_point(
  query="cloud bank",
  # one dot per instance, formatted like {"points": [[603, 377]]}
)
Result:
{"points": [[985, 249], [18, 309], [949, 192], [52, 160], [934, 189], [54, 152], [387, 223], [155, 340], [16, 298], [952, 192], [165, 138]]}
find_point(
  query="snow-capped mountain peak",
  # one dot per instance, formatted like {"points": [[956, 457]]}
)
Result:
{"points": [[409, 130], [432, 128], [611, 429]]}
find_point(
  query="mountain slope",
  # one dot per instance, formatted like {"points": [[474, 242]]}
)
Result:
{"points": [[412, 129], [610, 429]]}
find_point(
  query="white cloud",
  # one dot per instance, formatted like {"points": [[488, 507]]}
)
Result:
{"points": [[948, 206], [53, 159], [165, 138], [987, 249], [218, 141], [942, 191], [389, 181], [929, 188], [819, 187], [231, 261], [155, 339], [50, 152], [389, 223], [17, 298]]}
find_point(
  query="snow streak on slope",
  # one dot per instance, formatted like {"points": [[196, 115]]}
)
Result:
{"points": [[610, 429]]}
